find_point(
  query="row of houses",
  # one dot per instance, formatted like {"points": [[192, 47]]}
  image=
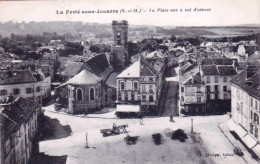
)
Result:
{"points": [[204, 87], [18, 127]]}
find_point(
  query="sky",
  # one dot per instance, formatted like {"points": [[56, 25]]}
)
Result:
{"points": [[222, 12]]}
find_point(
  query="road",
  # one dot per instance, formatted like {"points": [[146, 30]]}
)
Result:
{"points": [[171, 101]]}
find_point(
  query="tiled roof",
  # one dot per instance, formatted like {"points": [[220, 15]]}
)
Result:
{"points": [[183, 78], [209, 70], [83, 78], [15, 113], [18, 77], [226, 70], [73, 68], [98, 64], [218, 70], [111, 80], [147, 68], [216, 61], [194, 79], [251, 85]]}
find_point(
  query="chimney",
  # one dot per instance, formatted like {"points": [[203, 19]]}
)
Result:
{"points": [[250, 71]]}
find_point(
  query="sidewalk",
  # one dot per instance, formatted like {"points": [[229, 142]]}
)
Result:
{"points": [[226, 131]]}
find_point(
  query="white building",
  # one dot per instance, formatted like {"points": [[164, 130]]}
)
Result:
{"points": [[23, 83], [245, 89], [140, 86]]}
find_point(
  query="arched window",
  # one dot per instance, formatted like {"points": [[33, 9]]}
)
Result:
{"points": [[92, 93], [79, 94]]}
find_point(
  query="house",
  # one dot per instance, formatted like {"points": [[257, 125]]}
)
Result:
{"points": [[192, 94], [139, 88], [18, 126], [21, 83], [216, 79], [205, 88], [245, 107]]}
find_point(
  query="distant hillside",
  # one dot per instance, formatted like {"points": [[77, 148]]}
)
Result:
{"points": [[135, 31]]}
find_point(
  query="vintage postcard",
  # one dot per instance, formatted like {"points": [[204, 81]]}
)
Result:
{"points": [[129, 82]]}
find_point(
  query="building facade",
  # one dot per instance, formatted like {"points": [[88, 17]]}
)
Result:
{"points": [[22, 83], [18, 128], [140, 86]]}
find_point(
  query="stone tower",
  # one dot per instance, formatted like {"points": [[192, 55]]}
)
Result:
{"points": [[120, 33], [120, 58]]}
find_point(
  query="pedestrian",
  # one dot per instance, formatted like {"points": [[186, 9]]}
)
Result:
{"points": [[171, 118], [141, 120]]}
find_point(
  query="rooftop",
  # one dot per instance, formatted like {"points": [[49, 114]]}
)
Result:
{"points": [[251, 84], [83, 78]]}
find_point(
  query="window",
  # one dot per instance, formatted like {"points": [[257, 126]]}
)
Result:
{"points": [[224, 79], [251, 102], [208, 79], [208, 96], [3, 92], [150, 88], [182, 89], [79, 94], [198, 99], [225, 88], [208, 88], [122, 85], [29, 90], [256, 104], [151, 98], [38, 89], [143, 88], [238, 107], [216, 88], [238, 95], [256, 118], [216, 79], [150, 79], [198, 88], [225, 96], [143, 97], [216, 96], [92, 94], [16, 91], [241, 107], [135, 86]]}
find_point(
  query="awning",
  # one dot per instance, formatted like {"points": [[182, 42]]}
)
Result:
{"points": [[127, 108], [237, 128], [249, 141], [256, 149]]}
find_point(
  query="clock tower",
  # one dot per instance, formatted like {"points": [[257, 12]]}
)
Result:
{"points": [[120, 33], [120, 58]]}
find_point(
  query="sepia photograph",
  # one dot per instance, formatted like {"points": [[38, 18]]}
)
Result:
{"points": [[133, 82]]}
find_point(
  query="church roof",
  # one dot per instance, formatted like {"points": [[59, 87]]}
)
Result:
{"points": [[83, 78]]}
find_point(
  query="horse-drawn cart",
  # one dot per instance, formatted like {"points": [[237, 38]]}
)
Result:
{"points": [[114, 131]]}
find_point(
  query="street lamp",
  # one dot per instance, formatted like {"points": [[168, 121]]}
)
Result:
{"points": [[192, 125], [86, 139]]}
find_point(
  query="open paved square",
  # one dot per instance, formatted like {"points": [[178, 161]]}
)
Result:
{"points": [[207, 145]]}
